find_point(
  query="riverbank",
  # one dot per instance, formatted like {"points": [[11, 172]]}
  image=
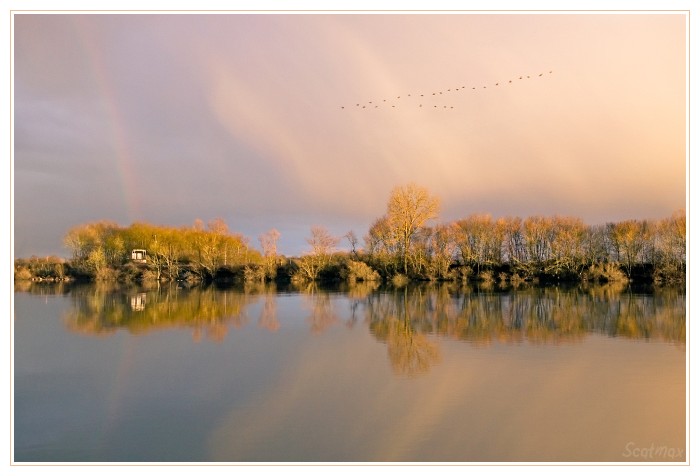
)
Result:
{"points": [[348, 268]]}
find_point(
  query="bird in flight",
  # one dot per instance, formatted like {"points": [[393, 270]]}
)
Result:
{"points": [[445, 92]]}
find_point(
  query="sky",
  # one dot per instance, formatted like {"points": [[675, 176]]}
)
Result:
{"points": [[254, 118]]}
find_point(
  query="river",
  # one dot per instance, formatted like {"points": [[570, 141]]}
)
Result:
{"points": [[430, 373]]}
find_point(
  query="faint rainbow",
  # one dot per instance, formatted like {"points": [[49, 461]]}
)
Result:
{"points": [[119, 142], [114, 400], [129, 189]]}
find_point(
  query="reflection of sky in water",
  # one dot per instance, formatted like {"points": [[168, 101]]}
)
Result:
{"points": [[532, 403], [299, 395]]}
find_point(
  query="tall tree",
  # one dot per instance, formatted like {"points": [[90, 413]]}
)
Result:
{"points": [[409, 208]]}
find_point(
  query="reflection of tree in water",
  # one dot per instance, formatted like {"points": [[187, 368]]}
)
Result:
{"points": [[410, 351], [42, 288], [660, 316], [401, 318], [322, 315], [215, 332], [536, 314], [207, 311], [268, 315], [360, 289]]}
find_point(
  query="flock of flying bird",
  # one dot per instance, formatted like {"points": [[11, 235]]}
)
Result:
{"points": [[388, 102]]}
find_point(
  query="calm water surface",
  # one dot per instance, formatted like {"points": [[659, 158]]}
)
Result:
{"points": [[436, 373]]}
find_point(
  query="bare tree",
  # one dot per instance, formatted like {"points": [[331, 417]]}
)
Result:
{"points": [[480, 240], [443, 249], [268, 242], [671, 240], [630, 237], [409, 208], [352, 239], [322, 246], [218, 226], [568, 245], [321, 241]]}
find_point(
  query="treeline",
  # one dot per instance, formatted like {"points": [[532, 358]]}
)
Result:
{"points": [[102, 251], [400, 246], [535, 248]]}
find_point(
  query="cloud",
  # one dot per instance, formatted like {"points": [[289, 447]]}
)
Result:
{"points": [[241, 116]]}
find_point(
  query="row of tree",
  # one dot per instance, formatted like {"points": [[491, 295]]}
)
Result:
{"points": [[401, 245], [557, 247]]}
